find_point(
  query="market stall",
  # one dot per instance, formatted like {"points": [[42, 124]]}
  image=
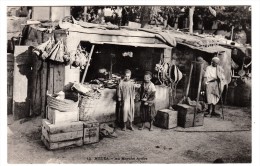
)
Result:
{"points": [[95, 57]]}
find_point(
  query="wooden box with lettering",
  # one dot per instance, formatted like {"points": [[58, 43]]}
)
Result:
{"points": [[166, 118], [91, 131]]}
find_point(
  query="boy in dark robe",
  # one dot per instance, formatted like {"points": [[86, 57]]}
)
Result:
{"points": [[147, 109]]}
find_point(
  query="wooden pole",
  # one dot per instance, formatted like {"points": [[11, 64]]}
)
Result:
{"points": [[198, 93], [232, 32], [85, 13], [188, 86], [191, 12], [86, 69]]}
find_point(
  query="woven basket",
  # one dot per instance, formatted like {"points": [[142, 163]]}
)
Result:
{"points": [[86, 108], [61, 105]]}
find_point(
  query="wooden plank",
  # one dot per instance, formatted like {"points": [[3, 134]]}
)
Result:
{"points": [[111, 36], [50, 79], [61, 136], [56, 116], [21, 82], [58, 77], [58, 145], [9, 105], [43, 88], [36, 86], [62, 128]]}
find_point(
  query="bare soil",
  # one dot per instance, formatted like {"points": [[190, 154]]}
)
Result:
{"points": [[194, 145]]}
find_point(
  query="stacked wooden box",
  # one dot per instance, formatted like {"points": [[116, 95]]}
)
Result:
{"points": [[60, 135], [186, 116], [166, 118], [62, 128], [91, 131]]}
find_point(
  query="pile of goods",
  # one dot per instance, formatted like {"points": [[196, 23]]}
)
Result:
{"points": [[90, 91], [58, 52], [63, 128], [107, 83]]}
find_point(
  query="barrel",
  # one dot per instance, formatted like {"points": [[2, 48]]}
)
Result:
{"points": [[243, 92]]}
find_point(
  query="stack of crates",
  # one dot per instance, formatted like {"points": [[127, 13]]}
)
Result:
{"points": [[62, 128]]}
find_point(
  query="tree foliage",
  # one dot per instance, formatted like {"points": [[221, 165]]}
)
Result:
{"points": [[227, 16]]}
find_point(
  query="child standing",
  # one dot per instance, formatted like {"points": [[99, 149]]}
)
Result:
{"points": [[126, 96], [147, 109]]}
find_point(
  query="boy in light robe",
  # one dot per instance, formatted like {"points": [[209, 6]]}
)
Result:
{"points": [[126, 96]]}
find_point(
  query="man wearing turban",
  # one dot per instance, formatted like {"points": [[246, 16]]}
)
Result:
{"points": [[214, 79]]}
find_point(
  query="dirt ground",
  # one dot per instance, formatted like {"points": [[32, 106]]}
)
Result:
{"points": [[228, 139]]}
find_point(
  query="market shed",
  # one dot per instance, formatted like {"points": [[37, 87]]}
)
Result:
{"points": [[190, 48], [146, 49]]}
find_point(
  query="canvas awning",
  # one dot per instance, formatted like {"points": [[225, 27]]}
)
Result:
{"points": [[135, 44], [212, 49]]}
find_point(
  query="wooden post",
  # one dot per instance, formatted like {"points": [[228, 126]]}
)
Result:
{"points": [[198, 93], [191, 12], [89, 59], [22, 82], [85, 13], [188, 86], [232, 32]]}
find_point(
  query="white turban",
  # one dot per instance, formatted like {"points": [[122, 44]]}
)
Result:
{"points": [[215, 60]]}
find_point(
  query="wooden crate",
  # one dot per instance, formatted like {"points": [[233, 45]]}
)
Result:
{"points": [[72, 131], [186, 116], [57, 117], [62, 127], [166, 118], [62, 144], [91, 131]]}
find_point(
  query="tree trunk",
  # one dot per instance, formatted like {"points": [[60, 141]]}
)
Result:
{"points": [[191, 12], [145, 15]]}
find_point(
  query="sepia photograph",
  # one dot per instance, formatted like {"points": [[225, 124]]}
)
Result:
{"points": [[129, 84]]}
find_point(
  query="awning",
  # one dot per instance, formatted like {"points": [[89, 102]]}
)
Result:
{"points": [[212, 49], [134, 44]]}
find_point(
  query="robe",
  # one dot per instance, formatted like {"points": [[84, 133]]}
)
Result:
{"points": [[148, 112], [126, 94], [216, 80]]}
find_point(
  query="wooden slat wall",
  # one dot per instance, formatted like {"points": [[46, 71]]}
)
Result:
{"points": [[10, 70], [43, 87], [22, 82], [58, 77]]}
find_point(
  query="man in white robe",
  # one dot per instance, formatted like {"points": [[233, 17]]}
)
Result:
{"points": [[214, 80]]}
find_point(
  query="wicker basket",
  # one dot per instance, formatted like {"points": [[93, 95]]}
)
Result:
{"points": [[61, 105], [86, 108]]}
